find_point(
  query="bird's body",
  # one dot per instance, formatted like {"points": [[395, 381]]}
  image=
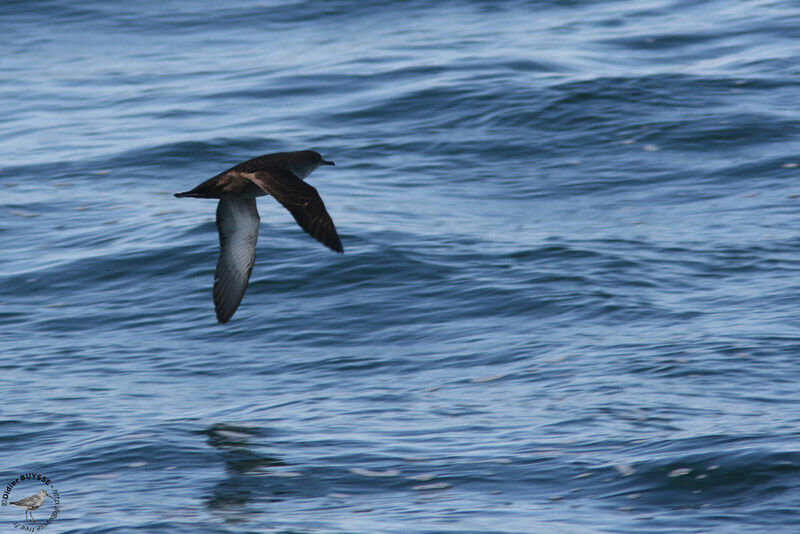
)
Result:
{"points": [[31, 502], [279, 175]]}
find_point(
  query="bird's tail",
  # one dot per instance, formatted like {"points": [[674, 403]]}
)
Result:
{"points": [[207, 189]]}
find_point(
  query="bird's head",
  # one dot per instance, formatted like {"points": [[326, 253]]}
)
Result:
{"points": [[43, 493], [307, 161]]}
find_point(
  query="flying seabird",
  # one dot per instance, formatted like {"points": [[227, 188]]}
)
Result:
{"points": [[31, 503], [280, 175]]}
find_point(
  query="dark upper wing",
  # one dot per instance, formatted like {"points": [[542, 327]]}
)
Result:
{"points": [[303, 202], [237, 222]]}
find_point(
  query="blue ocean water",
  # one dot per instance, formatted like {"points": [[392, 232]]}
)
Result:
{"points": [[568, 300]]}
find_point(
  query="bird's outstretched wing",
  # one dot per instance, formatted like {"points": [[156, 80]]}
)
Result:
{"points": [[302, 201], [237, 222]]}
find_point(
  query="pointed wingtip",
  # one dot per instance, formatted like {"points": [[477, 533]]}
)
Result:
{"points": [[223, 315]]}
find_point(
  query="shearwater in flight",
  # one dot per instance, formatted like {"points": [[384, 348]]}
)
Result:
{"points": [[280, 175]]}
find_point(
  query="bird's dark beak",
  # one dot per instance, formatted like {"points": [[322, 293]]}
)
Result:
{"points": [[323, 162]]}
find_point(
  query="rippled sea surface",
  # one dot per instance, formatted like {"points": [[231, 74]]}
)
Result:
{"points": [[569, 299]]}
